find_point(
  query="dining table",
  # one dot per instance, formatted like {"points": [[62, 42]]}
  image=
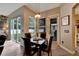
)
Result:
{"points": [[38, 42]]}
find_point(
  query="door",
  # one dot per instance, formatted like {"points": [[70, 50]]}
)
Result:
{"points": [[15, 29], [76, 36], [53, 28]]}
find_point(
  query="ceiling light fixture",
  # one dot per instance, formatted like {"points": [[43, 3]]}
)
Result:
{"points": [[37, 16]]}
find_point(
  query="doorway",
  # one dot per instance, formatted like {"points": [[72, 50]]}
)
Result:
{"points": [[75, 14], [77, 36], [53, 28]]}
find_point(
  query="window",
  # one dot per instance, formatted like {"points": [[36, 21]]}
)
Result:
{"points": [[32, 25], [42, 25]]}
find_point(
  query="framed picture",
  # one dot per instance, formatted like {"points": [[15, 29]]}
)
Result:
{"points": [[66, 20]]}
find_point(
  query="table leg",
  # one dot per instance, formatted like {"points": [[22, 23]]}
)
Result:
{"points": [[39, 52]]}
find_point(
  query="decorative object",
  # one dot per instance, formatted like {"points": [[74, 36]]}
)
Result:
{"points": [[3, 20], [66, 20], [66, 31]]}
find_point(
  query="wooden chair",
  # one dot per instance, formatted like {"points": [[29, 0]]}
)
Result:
{"points": [[28, 35], [29, 51], [43, 35], [1, 49], [2, 40], [48, 50]]}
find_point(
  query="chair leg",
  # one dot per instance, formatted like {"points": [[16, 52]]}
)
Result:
{"points": [[50, 52]]}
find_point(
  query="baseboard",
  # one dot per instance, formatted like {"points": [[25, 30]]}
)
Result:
{"points": [[71, 52]]}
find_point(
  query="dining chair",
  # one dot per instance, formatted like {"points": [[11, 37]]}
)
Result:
{"points": [[28, 35], [2, 39], [43, 35], [48, 50], [29, 51], [1, 49]]}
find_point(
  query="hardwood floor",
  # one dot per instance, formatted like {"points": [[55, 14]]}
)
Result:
{"points": [[57, 51], [77, 51]]}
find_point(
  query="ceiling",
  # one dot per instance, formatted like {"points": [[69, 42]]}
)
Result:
{"points": [[7, 8], [40, 7]]}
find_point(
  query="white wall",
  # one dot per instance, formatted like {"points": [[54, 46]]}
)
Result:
{"points": [[66, 9]]}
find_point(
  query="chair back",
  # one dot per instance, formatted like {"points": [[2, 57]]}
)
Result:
{"points": [[2, 39], [43, 35], [27, 45], [27, 35], [50, 43]]}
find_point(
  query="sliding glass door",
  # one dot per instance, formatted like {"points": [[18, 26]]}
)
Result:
{"points": [[15, 29]]}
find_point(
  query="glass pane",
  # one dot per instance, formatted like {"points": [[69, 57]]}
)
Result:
{"points": [[42, 25], [11, 29], [31, 21], [42, 29], [15, 29], [15, 24], [31, 29], [53, 20], [19, 28], [32, 25], [42, 22]]}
